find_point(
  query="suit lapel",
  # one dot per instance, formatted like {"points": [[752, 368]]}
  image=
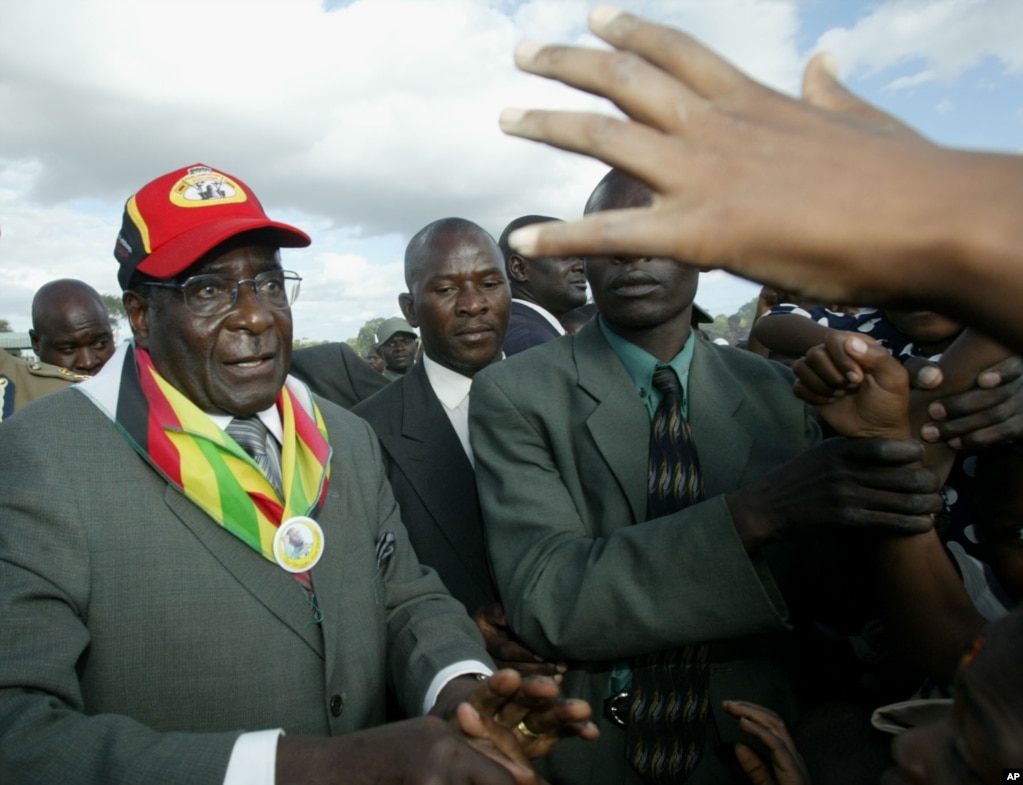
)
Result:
{"points": [[722, 438], [273, 587], [618, 423]]}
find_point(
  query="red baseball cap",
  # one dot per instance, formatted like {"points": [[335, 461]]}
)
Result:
{"points": [[170, 223]]}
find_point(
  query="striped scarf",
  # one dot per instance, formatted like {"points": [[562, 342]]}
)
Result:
{"points": [[188, 449]]}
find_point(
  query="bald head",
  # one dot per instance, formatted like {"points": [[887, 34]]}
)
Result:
{"points": [[440, 238], [457, 294], [617, 191], [71, 326]]}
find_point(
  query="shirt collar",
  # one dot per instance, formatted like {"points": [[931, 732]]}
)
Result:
{"points": [[640, 365], [450, 386], [271, 419], [544, 313]]}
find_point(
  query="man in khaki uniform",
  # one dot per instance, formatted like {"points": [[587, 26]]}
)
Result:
{"points": [[22, 381]]}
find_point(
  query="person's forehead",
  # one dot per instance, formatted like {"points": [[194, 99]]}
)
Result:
{"points": [[459, 254]]}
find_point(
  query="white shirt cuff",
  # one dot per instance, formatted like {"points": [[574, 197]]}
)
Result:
{"points": [[253, 760], [446, 675]]}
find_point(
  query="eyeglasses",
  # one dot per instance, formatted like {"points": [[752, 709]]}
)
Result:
{"points": [[214, 294]]}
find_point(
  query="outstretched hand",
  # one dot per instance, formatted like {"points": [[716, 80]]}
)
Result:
{"points": [[528, 710], [787, 766], [989, 412], [859, 389]]}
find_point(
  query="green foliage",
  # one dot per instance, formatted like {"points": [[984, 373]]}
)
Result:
{"points": [[302, 343], [5, 326], [118, 316], [367, 336]]}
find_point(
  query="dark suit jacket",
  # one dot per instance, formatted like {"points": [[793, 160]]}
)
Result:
{"points": [[434, 484], [335, 372], [526, 328], [561, 439], [139, 637]]}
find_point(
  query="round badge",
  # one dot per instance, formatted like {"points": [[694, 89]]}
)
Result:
{"points": [[298, 544]]}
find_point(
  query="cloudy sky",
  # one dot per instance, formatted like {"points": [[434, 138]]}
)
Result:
{"points": [[363, 120]]}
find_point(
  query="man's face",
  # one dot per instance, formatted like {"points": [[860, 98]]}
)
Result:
{"points": [[234, 363], [981, 735], [460, 302], [399, 351], [76, 336], [375, 360], [638, 293], [557, 284]]}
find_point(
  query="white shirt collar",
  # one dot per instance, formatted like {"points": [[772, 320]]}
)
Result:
{"points": [[451, 387], [271, 419], [544, 313]]}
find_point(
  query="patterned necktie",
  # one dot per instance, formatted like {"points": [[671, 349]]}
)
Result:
{"points": [[252, 436], [667, 719]]}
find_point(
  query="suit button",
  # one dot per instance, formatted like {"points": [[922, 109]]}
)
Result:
{"points": [[337, 705]]}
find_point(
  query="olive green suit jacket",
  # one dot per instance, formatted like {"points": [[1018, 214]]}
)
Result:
{"points": [[561, 436], [139, 638]]}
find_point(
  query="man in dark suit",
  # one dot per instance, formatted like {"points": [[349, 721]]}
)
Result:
{"points": [[164, 631], [561, 437], [543, 290], [458, 300]]}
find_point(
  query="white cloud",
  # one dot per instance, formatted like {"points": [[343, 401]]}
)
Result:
{"points": [[361, 124], [369, 120], [948, 36]]}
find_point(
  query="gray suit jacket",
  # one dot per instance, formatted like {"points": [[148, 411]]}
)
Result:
{"points": [[139, 638], [434, 484], [561, 439]]}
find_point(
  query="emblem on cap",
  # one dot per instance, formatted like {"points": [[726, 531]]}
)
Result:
{"points": [[203, 187]]}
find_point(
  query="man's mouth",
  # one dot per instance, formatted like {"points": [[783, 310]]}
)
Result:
{"points": [[634, 284]]}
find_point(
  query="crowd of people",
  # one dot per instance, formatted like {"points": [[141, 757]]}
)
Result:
{"points": [[528, 537]]}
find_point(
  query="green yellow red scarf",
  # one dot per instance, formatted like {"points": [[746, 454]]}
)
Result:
{"points": [[182, 443]]}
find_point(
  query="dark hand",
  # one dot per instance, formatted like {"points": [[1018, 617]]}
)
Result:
{"points": [[530, 711], [859, 389], [990, 413], [842, 484], [422, 750], [787, 765], [506, 649]]}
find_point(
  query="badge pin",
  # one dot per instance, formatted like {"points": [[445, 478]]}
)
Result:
{"points": [[298, 544]]}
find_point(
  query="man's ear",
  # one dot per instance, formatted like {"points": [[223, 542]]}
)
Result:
{"points": [[34, 337], [137, 308], [408, 308], [518, 268]]}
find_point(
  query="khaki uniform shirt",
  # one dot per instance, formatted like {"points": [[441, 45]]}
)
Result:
{"points": [[22, 381]]}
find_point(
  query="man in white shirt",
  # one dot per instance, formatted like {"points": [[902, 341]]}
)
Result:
{"points": [[543, 289], [458, 299], [163, 632]]}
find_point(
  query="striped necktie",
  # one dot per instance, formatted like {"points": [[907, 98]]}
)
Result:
{"points": [[667, 719], [253, 437]]}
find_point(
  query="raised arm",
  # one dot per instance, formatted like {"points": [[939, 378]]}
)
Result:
{"points": [[821, 200]]}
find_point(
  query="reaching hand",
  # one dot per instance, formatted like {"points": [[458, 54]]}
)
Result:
{"points": [[527, 710], [856, 385], [787, 765], [989, 413]]}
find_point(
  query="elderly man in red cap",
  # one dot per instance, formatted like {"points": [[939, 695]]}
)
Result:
{"points": [[166, 631]]}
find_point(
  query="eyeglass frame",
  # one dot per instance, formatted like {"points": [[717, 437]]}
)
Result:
{"points": [[286, 276]]}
